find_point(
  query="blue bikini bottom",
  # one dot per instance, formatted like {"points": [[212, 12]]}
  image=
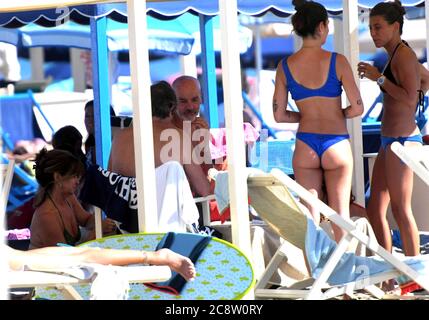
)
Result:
{"points": [[320, 142], [385, 141]]}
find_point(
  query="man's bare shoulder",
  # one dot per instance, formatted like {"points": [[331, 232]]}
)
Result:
{"points": [[123, 134], [161, 125], [126, 131]]}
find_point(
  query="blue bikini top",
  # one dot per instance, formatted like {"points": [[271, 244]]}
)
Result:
{"points": [[331, 89]]}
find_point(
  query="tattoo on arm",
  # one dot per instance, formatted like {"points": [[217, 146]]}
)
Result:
{"points": [[275, 106], [359, 102]]}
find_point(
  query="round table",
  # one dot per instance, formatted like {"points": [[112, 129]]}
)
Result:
{"points": [[223, 271]]}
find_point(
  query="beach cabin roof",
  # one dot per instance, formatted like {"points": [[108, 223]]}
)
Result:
{"points": [[164, 36], [43, 12]]}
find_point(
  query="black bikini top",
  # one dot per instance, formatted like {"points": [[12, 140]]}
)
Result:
{"points": [[388, 70], [68, 237], [389, 75]]}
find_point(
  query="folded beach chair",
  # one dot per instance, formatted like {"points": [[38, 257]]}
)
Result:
{"points": [[6, 176], [103, 279], [334, 271], [416, 157], [23, 186]]}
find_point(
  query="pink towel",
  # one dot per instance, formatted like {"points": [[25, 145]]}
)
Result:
{"points": [[18, 234], [218, 139]]}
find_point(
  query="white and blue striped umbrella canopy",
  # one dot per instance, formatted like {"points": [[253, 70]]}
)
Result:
{"points": [[178, 35], [164, 36], [166, 39], [171, 9]]}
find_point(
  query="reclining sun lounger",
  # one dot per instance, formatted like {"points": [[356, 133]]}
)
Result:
{"points": [[23, 187], [330, 266], [63, 279]]}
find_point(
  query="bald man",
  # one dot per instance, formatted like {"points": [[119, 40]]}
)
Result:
{"points": [[170, 142], [186, 116]]}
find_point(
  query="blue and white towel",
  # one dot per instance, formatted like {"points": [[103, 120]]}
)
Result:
{"points": [[319, 247]]}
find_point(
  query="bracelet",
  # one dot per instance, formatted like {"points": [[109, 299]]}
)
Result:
{"points": [[144, 256]]}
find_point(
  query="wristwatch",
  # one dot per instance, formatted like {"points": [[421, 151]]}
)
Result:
{"points": [[381, 80]]}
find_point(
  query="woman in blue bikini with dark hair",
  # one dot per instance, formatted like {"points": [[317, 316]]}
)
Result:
{"points": [[392, 180], [315, 79]]}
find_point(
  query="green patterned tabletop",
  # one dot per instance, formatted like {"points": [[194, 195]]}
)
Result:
{"points": [[223, 271]]}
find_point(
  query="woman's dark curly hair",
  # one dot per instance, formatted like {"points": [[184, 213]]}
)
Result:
{"points": [[391, 12], [307, 17], [54, 161]]}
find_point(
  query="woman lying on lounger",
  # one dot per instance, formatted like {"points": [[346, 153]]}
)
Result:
{"points": [[61, 257]]}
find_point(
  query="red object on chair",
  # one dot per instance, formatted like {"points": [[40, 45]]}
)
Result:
{"points": [[409, 287], [426, 139], [21, 217], [215, 215]]}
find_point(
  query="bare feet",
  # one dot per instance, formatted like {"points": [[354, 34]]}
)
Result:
{"points": [[389, 287], [182, 265]]}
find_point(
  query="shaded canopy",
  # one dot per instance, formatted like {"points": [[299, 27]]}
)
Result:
{"points": [[179, 35], [172, 9], [164, 36]]}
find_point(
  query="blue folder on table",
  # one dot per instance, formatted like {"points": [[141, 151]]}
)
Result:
{"points": [[190, 245]]}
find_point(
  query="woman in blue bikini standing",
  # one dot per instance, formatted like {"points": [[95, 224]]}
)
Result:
{"points": [[392, 181], [315, 78]]}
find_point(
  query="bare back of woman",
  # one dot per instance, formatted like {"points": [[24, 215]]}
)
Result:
{"points": [[315, 79]]}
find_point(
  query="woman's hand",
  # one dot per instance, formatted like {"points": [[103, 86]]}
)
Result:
{"points": [[109, 226], [368, 71]]}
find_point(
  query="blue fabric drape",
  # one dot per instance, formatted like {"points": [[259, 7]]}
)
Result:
{"points": [[17, 118]]}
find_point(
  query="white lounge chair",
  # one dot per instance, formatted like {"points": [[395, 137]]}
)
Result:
{"points": [[5, 183], [330, 266], [416, 157], [64, 279]]}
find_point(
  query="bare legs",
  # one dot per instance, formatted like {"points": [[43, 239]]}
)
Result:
{"points": [[180, 264], [62, 257], [392, 181], [378, 202], [307, 171], [335, 167], [337, 163], [400, 184]]}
